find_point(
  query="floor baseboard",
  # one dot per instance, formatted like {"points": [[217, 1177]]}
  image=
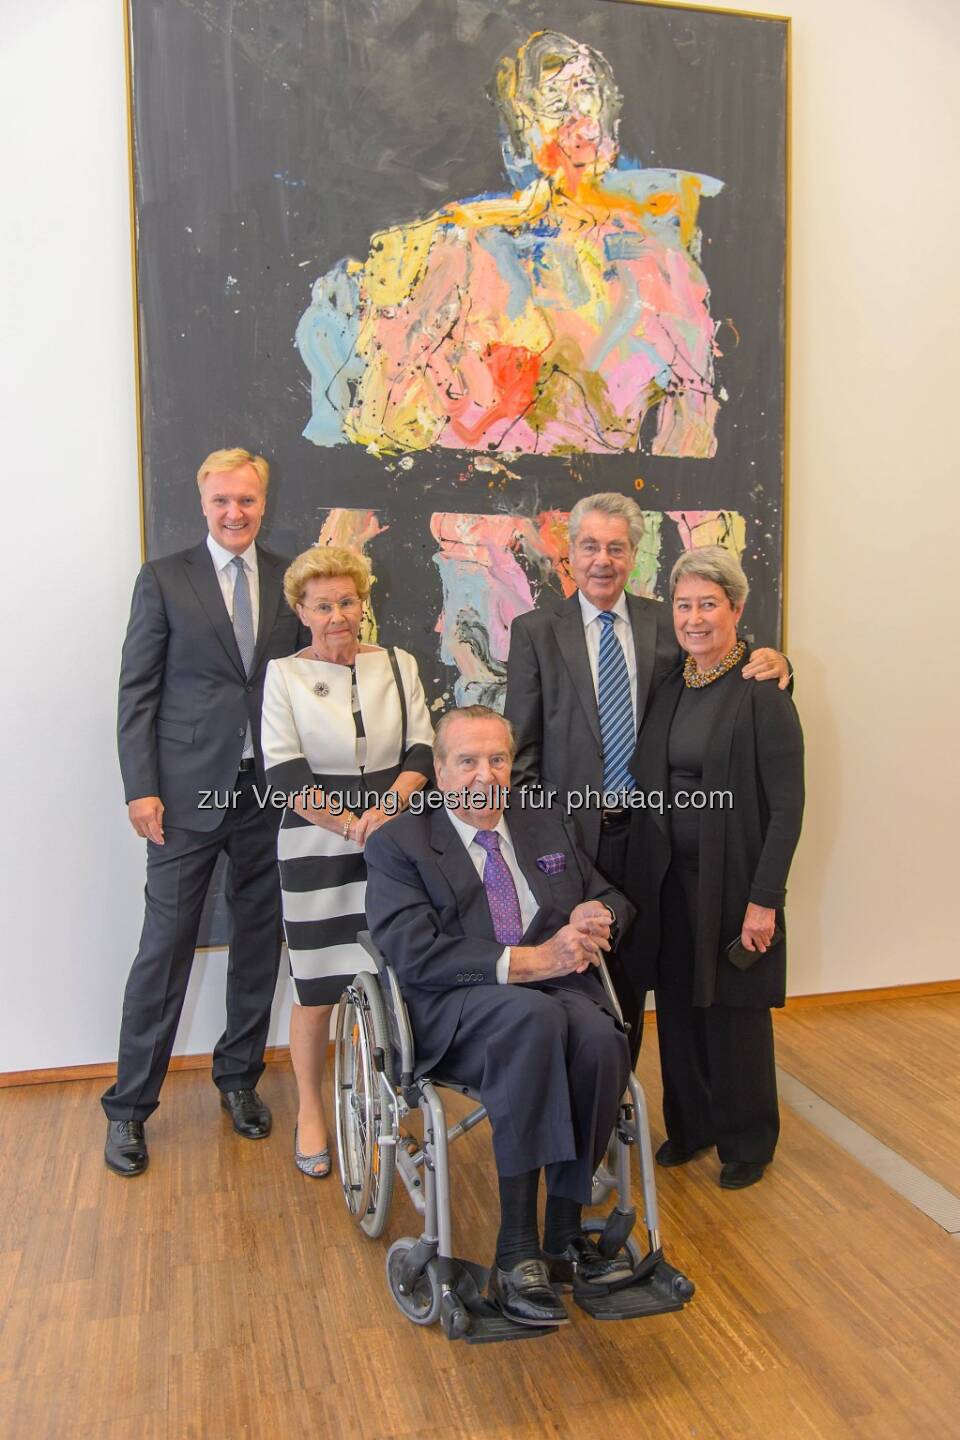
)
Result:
{"points": [[279, 1054]]}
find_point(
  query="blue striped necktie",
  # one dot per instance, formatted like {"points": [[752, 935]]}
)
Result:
{"points": [[617, 728]]}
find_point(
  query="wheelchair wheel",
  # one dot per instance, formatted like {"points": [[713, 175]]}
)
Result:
{"points": [[422, 1306], [366, 1166], [594, 1228]]}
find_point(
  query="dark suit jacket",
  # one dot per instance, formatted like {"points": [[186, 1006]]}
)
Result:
{"points": [[184, 698], [552, 703], [427, 912], [756, 752]]}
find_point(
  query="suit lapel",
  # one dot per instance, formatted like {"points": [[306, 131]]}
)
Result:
{"points": [[573, 647], [643, 621], [462, 877], [525, 847], [271, 589], [202, 575]]}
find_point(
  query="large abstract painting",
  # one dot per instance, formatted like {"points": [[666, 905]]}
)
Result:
{"points": [[549, 318], [451, 264]]}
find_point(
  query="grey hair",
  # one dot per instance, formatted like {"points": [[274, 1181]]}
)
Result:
{"points": [[718, 566], [621, 507], [469, 712]]}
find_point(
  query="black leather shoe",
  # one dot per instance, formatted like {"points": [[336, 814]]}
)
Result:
{"points": [[671, 1154], [126, 1149], [251, 1118], [581, 1263], [738, 1174], [524, 1294]]}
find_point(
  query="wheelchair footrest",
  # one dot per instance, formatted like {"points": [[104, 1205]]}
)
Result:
{"points": [[489, 1329], [657, 1290], [487, 1325]]}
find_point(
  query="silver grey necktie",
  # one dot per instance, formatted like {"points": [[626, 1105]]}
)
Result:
{"points": [[243, 614], [243, 629]]}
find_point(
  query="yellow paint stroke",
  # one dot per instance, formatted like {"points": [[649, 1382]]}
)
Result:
{"points": [[354, 530], [711, 527]]}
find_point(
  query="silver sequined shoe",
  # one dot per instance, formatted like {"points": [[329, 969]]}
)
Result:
{"points": [[308, 1163]]}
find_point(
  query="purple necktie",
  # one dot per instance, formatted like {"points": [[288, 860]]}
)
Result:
{"points": [[501, 891]]}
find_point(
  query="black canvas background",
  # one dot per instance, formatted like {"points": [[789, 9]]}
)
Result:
{"points": [[271, 137]]}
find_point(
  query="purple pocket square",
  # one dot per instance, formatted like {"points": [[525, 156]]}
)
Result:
{"points": [[553, 864]]}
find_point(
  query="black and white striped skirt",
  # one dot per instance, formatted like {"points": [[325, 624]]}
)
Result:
{"points": [[323, 879]]}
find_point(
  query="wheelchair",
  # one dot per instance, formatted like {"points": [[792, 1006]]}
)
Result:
{"points": [[376, 1090]]}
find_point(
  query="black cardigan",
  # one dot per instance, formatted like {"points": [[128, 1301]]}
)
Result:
{"points": [[756, 752]]}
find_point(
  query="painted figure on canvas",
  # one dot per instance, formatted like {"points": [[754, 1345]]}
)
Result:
{"points": [[496, 567], [568, 314]]}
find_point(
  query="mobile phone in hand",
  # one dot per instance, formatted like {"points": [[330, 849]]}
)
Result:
{"points": [[743, 959]]}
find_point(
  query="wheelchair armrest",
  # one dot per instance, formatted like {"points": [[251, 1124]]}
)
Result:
{"points": [[363, 939], [399, 1020]]}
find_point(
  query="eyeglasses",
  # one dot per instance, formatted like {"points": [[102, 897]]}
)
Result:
{"points": [[617, 550], [349, 606]]}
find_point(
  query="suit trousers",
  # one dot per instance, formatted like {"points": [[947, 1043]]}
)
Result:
{"points": [[611, 862], [717, 1062], [178, 876], [551, 1066]]}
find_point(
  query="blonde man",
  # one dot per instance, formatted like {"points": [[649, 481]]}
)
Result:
{"points": [[204, 624]]}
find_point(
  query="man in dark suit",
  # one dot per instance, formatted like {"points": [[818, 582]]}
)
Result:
{"points": [[495, 923], [579, 682], [203, 625]]}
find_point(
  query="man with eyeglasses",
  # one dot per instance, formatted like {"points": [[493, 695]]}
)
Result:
{"points": [[579, 682], [204, 623]]}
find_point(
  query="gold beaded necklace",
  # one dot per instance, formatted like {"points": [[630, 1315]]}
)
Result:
{"points": [[695, 679]]}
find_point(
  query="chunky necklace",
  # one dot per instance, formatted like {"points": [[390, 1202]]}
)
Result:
{"points": [[695, 679]]}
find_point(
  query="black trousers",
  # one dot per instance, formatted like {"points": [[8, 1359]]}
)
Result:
{"points": [[178, 876], [717, 1062], [551, 1065], [611, 862]]}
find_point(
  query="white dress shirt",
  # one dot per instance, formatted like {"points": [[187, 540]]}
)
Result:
{"points": [[227, 578], [479, 857], [592, 628]]}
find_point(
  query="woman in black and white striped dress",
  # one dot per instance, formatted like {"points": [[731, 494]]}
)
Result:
{"points": [[347, 736]]}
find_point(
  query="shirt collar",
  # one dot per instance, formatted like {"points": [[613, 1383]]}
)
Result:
{"points": [[222, 558], [590, 612], [468, 832]]}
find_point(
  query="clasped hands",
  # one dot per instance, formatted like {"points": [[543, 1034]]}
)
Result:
{"points": [[363, 826], [356, 828], [572, 950]]}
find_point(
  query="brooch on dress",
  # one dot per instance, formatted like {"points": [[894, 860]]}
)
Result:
{"points": [[321, 688]]}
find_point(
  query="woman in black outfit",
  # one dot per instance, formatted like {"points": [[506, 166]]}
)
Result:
{"points": [[706, 873]]}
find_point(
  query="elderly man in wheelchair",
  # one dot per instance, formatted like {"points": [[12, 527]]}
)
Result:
{"points": [[489, 925]]}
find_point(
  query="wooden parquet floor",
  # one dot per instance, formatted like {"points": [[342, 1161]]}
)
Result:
{"points": [[891, 1065], [224, 1296]]}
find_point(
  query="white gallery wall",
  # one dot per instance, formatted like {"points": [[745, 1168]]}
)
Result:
{"points": [[876, 213]]}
